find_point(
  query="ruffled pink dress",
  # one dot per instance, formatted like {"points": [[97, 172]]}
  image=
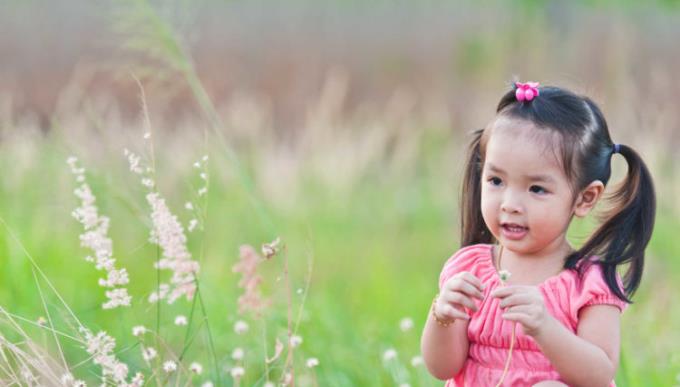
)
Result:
{"points": [[489, 334]]}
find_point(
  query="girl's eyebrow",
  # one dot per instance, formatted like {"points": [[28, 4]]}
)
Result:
{"points": [[540, 178]]}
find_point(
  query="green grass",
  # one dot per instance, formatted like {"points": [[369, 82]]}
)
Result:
{"points": [[377, 249]]}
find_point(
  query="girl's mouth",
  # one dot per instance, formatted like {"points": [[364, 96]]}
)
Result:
{"points": [[513, 231]]}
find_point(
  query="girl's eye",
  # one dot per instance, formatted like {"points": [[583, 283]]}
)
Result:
{"points": [[495, 181], [537, 189]]}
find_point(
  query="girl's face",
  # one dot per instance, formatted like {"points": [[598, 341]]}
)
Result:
{"points": [[527, 202]]}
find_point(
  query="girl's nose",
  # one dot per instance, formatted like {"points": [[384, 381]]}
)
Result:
{"points": [[511, 206]]}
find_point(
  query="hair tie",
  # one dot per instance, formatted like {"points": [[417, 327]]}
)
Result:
{"points": [[617, 148], [526, 91]]}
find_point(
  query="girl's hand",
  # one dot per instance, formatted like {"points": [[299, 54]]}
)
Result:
{"points": [[524, 305], [456, 294]]}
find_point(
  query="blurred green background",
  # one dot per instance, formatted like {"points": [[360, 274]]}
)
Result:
{"points": [[349, 121]]}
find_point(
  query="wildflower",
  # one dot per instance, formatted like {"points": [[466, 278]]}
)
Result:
{"points": [[250, 300], [312, 362], [169, 366], [390, 354], [79, 383], [101, 347], [504, 275], [117, 297], [202, 191], [192, 225], [237, 354], [287, 378], [406, 324], [207, 384], [148, 183], [147, 135], [95, 238], [203, 176], [404, 385], [271, 249], [138, 330], [66, 379], [295, 340], [137, 380], [180, 320], [416, 361], [149, 353], [300, 291], [240, 327], [269, 384], [205, 158], [188, 206], [197, 165], [168, 233], [237, 372], [196, 368]]}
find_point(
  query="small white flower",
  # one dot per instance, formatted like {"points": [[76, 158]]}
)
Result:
{"points": [[79, 383], [237, 372], [404, 385], [197, 165], [505, 275], [196, 368], [269, 384], [147, 183], [205, 158], [204, 176], [300, 291], [240, 327], [188, 206], [180, 320], [169, 366], [390, 354], [295, 340], [138, 330], [417, 361], [192, 225], [137, 380], [147, 135], [207, 384], [237, 354], [149, 353], [406, 324], [66, 379], [312, 362], [202, 191], [287, 378]]}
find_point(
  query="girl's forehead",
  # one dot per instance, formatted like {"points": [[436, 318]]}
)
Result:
{"points": [[521, 145]]}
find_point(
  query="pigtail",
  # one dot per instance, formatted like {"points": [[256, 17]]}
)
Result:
{"points": [[473, 228], [623, 237]]}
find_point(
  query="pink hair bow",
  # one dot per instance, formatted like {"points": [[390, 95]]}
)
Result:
{"points": [[526, 91]]}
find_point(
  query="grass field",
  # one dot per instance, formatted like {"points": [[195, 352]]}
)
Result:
{"points": [[365, 203]]}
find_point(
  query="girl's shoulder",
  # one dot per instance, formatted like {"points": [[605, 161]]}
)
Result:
{"points": [[476, 259], [588, 287]]}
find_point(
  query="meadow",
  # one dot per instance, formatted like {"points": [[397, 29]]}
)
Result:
{"points": [[363, 194]]}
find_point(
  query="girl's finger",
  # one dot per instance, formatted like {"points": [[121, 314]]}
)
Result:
{"points": [[459, 299], [472, 280], [516, 299], [465, 287], [449, 311]]}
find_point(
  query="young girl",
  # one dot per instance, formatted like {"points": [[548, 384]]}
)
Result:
{"points": [[545, 158]]}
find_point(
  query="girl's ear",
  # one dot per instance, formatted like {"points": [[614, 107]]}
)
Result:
{"points": [[587, 199]]}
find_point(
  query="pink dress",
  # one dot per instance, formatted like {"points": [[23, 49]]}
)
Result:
{"points": [[489, 334]]}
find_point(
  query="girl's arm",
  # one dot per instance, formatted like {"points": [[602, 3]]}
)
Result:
{"points": [[590, 357], [444, 349], [587, 358]]}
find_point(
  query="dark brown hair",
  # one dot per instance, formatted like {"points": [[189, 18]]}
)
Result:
{"points": [[586, 151]]}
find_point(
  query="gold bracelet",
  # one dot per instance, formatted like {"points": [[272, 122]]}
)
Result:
{"points": [[440, 322]]}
